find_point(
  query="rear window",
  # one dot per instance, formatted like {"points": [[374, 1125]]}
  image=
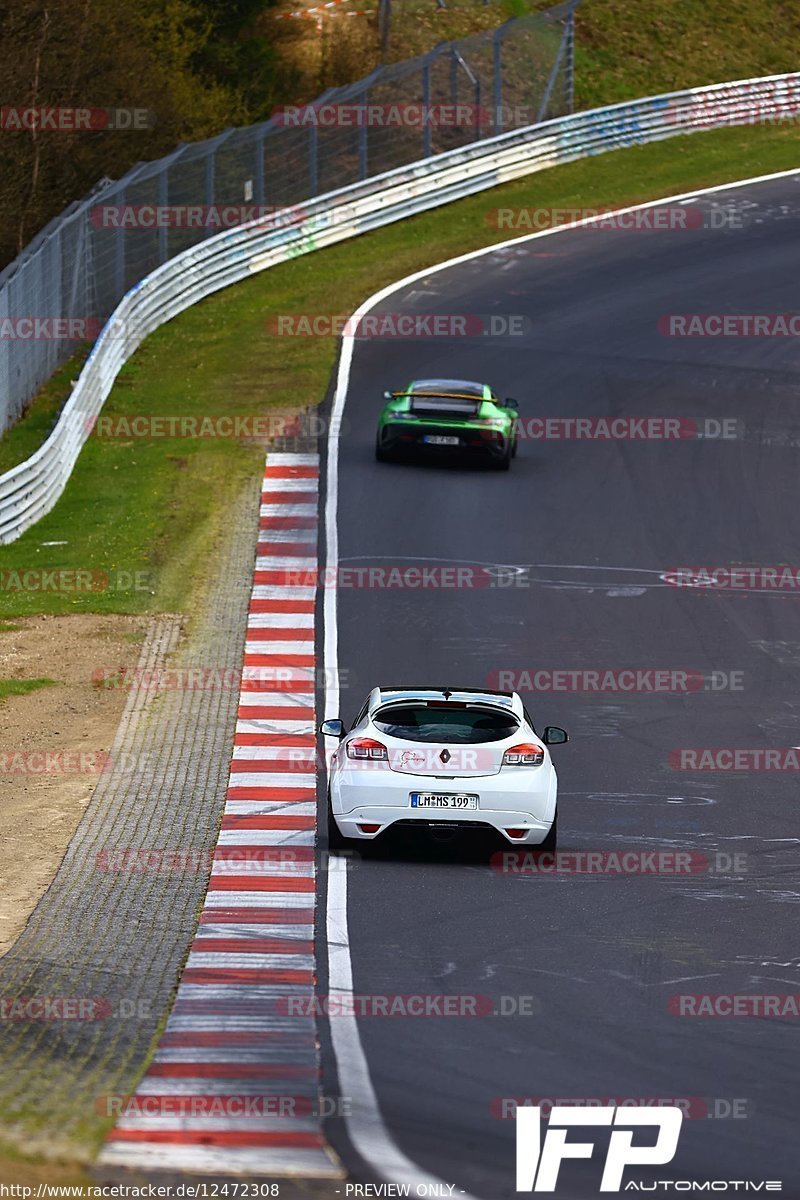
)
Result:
{"points": [[465, 726], [444, 406], [460, 386]]}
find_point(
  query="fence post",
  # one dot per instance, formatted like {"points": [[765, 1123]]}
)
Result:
{"points": [[119, 253], [210, 181], [569, 69], [548, 91], [313, 159], [163, 201], [426, 104], [497, 80], [384, 25], [9, 399], [259, 172], [363, 143], [453, 76]]}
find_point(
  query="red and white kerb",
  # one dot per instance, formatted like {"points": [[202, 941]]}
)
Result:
{"points": [[234, 1084]]}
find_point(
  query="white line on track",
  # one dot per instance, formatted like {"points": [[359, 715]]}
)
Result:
{"points": [[365, 1126]]}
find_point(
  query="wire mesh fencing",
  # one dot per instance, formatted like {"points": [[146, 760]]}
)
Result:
{"points": [[61, 290]]}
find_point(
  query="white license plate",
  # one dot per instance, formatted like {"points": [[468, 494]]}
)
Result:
{"points": [[439, 439], [438, 800]]}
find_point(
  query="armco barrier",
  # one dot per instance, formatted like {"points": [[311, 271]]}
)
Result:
{"points": [[31, 489]]}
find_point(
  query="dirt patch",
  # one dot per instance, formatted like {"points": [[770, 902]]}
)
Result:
{"points": [[74, 723]]}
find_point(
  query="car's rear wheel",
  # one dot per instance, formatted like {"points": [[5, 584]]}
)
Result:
{"points": [[551, 841], [336, 839], [503, 463], [381, 454]]}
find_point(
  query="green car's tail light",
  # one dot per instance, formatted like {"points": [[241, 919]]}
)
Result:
{"points": [[523, 755], [366, 748]]}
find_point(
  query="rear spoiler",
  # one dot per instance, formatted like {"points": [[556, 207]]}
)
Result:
{"points": [[439, 396]]}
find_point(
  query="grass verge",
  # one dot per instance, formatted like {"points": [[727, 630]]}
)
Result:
{"points": [[623, 50], [21, 687], [145, 514]]}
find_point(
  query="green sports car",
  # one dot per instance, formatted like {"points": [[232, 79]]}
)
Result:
{"points": [[448, 416]]}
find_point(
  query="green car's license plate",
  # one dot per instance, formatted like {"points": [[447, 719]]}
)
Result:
{"points": [[440, 439]]}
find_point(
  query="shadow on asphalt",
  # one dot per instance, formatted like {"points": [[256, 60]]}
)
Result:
{"points": [[458, 849]]}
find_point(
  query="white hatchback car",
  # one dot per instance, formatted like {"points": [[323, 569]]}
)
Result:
{"points": [[432, 757]]}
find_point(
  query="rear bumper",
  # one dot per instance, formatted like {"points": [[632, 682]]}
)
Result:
{"points": [[411, 437], [523, 801]]}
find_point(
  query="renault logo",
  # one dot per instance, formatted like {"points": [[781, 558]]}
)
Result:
{"points": [[445, 756]]}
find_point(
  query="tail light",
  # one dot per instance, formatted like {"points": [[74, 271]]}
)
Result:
{"points": [[366, 748], [524, 755]]}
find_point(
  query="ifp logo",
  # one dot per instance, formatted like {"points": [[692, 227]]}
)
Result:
{"points": [[538, 1165]]}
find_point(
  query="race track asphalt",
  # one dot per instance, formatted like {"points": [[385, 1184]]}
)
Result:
{"points": [[594, 525]]}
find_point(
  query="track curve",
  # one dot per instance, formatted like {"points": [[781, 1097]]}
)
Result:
{"points": [[595, 525]]}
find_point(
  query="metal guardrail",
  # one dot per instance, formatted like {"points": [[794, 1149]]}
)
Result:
{"points": [[31, 489]]}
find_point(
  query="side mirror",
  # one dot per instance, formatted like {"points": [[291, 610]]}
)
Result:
{"points": [[553, 736], [509, 403], [334, 728], [388, 396]]}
